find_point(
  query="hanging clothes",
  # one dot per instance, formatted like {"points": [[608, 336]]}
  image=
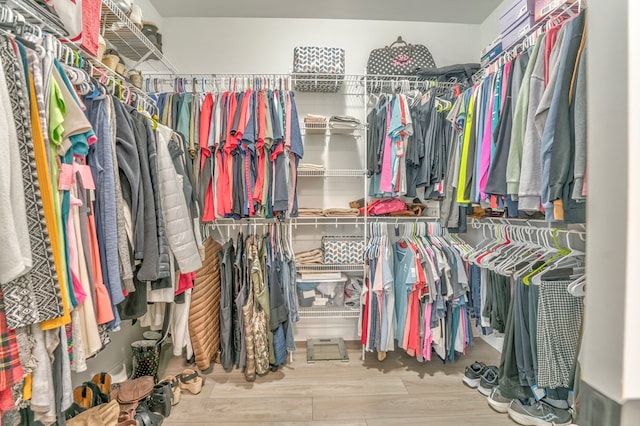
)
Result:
{"points": [[96, 212], [415, 293], [521, 133], [408, 143], [248, 151], [257, 301]]}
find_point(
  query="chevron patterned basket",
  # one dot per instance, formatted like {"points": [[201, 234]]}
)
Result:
{"points": [[322, 69], [342, 250]]}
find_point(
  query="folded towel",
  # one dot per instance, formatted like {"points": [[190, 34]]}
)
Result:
{"points": [[336, 212], [306, 212], [309, 257], [308, 166], [343, 122], [311, 118]]}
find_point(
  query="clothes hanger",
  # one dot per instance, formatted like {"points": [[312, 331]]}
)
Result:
{"points": [[15, 24], [540, 249], [577, 287], [524, 250], [497, 241], [491, 260], [561, 251], [485, 242], [565, 266]]}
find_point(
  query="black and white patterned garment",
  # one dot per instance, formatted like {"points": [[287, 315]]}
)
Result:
{"points": [[559, 324], [33, 297]]}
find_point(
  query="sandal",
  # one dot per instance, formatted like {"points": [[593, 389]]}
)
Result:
{"points": [[146, 417], [103, 380], [99, 397], [83, 396], [175, 388], [191, 381], [160, 399]]}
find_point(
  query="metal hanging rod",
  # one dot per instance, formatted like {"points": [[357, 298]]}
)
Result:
{"points": [[529, 39], [350, 82], [203, 82], [525, 224], [321, 220]]}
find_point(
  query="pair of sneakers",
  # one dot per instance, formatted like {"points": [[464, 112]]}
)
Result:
{"points": [[481, 376], [536, 413]]}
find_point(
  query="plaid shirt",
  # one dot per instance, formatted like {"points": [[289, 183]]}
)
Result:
{"points": [[10, 369]]}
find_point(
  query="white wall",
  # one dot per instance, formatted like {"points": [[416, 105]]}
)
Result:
{"points": [[149, 13], [631, 383], [265, 45], [605, 346], [111, 358]]}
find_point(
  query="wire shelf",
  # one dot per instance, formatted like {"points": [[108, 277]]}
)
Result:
{"points": [[360, 84], [331, 173], [328, 312], [317, 267], [350, 84], [161, 81], [325, 129], [38, 15], [327, 221], [130, 42], [315, 127], [357, 220]]}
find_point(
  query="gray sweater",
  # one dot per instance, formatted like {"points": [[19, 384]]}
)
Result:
{"points": [[539, 102], [562, 154], [130, 178], [580, 128]]}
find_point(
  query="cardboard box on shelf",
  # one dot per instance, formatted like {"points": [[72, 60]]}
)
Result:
{"points": [[543, 7]]}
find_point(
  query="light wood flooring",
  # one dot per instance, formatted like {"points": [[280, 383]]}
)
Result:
{"points": [[396, 391]]}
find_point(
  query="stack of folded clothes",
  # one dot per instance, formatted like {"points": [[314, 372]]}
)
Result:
{"points": [[312, 121], [335, 212], [306, 212], [343, 123], [311, 167], [309, 257]]}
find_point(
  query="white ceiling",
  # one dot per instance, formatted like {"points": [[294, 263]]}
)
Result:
{"points": [[452, 11]]}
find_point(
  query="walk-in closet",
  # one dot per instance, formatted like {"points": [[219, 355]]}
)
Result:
{"points": [[291, 213]]}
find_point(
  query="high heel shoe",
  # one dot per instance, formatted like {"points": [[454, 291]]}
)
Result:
{"points": [[191, 381], [103, 381], [175, 388]]}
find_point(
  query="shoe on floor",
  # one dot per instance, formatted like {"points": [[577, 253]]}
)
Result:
{"points": [[497, 401], [538, 414], [488, 381], [473, 374]]}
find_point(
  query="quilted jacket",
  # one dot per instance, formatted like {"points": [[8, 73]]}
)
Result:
{"points": [[204, 313], [178, 223]]}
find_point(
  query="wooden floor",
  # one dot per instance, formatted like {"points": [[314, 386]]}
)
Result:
{"points": [[397, 391]]}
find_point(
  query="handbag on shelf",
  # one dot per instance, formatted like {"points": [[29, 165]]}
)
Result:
{"points": [[399, 58], [318, 69], [383, 207], [342, 249]]}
